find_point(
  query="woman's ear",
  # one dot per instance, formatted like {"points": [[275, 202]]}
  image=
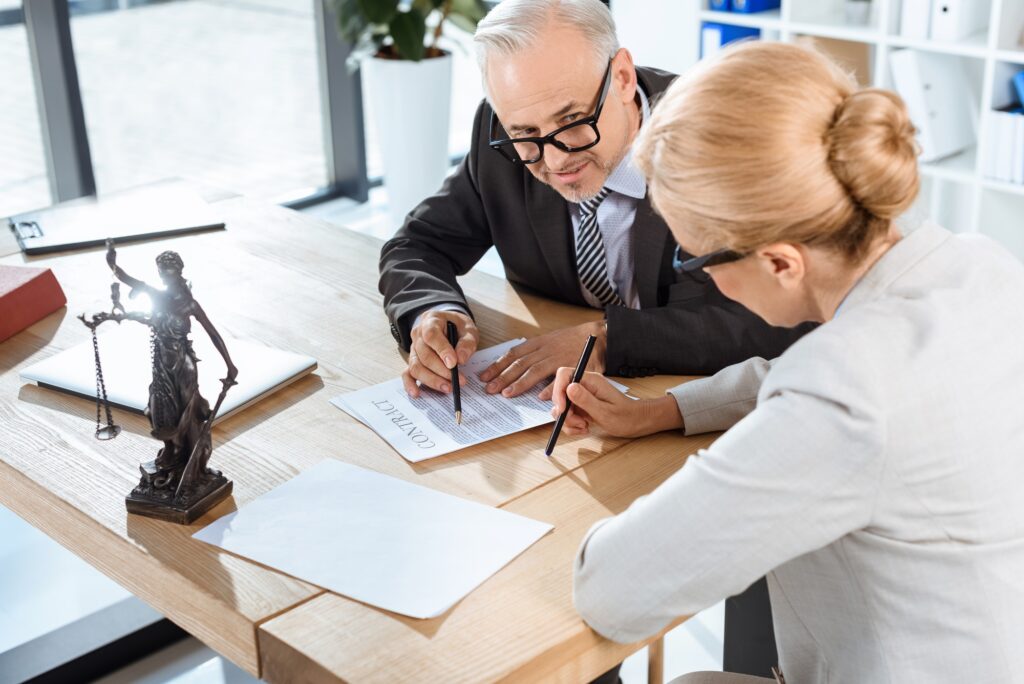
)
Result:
{"points": [[785, 262]]}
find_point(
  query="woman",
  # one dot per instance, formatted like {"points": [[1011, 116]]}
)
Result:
{"points": [[873, 471]]}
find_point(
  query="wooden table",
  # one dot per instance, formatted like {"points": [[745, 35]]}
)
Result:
{"points": [[286, 280]]}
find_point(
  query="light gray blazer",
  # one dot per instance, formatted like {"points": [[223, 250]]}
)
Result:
{"points": [[874, 472]]}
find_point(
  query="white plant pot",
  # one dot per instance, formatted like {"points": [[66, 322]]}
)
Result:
{"points": [[410, 104]]}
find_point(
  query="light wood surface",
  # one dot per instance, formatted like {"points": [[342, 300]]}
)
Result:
{"points": [[519, 626], [286, 280]]}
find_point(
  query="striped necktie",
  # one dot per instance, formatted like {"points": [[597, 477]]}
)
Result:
{"points": [[591, 263]]}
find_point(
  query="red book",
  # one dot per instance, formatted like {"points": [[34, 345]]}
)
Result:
{"points": [[27, 295]]}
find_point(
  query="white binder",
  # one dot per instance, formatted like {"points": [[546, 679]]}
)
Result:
{"points": [[916, 19], [954, 20], [933, 87], [710, 41], [1018, 149], [1006, 132], [990, 155]]}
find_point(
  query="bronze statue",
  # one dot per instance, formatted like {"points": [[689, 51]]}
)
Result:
{"points": [[177, 485]]}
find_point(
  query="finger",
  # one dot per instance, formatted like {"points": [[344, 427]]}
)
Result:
{"points": [[434, 336], [562, 379], [582, 398], [429, 358], [598, 385], [428, 377], [514, 371], [468, 342], [546, 393], [411, 388], [579, 426], [506, 360], [527, 381], [575, 421]]}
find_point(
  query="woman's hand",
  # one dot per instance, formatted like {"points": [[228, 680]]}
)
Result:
{"points": [[596, 403]]}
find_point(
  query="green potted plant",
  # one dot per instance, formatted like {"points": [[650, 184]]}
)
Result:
{"points": [[407, 82], [386, 29]]}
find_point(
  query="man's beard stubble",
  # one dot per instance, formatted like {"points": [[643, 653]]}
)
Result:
{"points": [[574, 192]]}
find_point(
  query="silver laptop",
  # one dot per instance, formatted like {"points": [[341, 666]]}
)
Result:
{"points": [[161, 209], [124, 353]]}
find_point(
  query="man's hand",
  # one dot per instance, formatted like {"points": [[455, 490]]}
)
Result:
{"points": [[431, 357], [526, 364], [597, 403]]}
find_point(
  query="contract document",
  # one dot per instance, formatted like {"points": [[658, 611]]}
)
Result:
{"points": [[375, 538], [425, 427]]}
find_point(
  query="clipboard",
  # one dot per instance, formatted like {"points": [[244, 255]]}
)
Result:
{"points": [[160, 210]]}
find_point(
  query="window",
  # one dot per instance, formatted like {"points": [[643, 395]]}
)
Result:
{"points": [[217, 91], [23, 179]]}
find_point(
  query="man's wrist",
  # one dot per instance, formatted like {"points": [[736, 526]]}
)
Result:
{"points": [[439, 307]]}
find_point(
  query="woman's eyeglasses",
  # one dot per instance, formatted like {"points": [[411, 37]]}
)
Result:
{"points": [[716, 258]]}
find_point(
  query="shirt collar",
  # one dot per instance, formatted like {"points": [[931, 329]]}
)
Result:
{"points": [[625, 178]]}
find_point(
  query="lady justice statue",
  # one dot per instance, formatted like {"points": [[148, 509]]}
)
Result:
{"points": [[177, 485]]}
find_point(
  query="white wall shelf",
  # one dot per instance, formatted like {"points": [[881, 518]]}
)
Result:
{"points": [[955, 192], [1014, 56], [1010, 188], [973, 46]]}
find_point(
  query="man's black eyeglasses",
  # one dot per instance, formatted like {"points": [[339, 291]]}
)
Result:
{"points": [[716, 258], [575, 137]]}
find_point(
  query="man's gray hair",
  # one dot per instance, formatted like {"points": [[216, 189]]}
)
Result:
{"points": [[516, 25]]}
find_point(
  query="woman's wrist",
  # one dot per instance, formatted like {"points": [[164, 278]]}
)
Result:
{"points": [[659, 415]]}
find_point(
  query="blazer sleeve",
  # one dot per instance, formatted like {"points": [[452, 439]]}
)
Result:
{"points": [[724, 399], [799, 472], [699, 336], [441, 239]]}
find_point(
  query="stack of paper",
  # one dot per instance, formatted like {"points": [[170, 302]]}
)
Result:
{"points": [[374, 538]]}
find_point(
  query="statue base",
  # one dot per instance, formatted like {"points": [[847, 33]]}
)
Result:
{"points": [[159, 502]]}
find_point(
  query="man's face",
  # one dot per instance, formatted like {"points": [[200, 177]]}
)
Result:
{"points": [[554, 84]]}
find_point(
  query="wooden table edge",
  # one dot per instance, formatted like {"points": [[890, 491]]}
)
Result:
{"points": [[70, 523]]}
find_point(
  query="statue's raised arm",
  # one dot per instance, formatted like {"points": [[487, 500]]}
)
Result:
{"points": [[135, 284]]}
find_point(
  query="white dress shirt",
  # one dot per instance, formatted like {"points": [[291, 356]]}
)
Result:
{"points": [[874, 472]]}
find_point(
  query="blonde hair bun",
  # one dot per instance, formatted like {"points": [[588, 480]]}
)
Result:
{"points": [[774, 142], [873, 153]]}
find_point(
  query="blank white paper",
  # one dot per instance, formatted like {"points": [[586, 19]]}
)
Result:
{"points": [[377, 539]]}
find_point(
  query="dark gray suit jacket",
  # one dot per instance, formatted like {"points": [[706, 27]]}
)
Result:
{"points": [[685, 325]]}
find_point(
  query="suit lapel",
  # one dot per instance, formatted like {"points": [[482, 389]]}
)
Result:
{"points": [[650, 240], [549, 218]]}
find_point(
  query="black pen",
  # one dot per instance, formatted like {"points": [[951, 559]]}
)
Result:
{"points": [[453, 339], [576, 377]]}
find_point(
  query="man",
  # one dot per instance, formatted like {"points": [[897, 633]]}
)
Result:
{"points": [[572, 226], [549, 183]]}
